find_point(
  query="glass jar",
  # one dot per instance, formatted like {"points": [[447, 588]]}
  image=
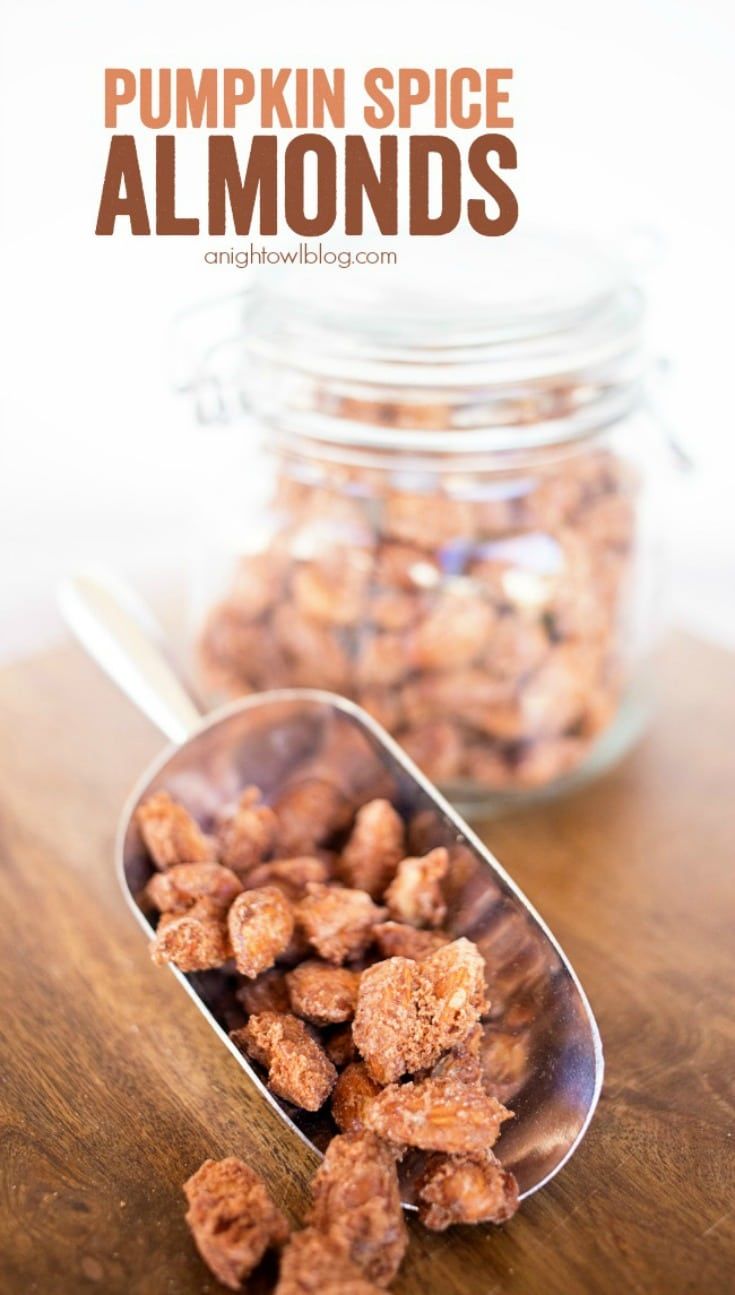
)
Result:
{"points": [[451, 515]]}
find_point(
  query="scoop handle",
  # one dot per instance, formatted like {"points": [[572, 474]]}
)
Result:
{"points": [[120, 634]]}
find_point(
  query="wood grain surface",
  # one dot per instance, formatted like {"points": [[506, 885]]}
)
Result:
{"points": [[113, 1088]]}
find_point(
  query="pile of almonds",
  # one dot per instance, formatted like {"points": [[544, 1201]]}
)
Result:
{"points": [[354, 994], [480, 618]]}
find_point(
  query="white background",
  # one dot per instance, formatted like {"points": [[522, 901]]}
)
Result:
{"points": [[623, 117]]}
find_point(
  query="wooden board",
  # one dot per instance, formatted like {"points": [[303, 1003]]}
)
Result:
{"points": [[113, 1088]]}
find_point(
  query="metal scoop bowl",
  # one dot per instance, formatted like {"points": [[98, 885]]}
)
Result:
{"points": [[541, 1044]]}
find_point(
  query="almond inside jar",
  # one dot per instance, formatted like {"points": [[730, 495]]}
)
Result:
{"points": [[457, 539]]}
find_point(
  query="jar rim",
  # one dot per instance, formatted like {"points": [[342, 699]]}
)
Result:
{"points": [[397, 332], [471, 357]]}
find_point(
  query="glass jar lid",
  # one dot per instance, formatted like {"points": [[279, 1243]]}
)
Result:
{"points": [[529, 339]]}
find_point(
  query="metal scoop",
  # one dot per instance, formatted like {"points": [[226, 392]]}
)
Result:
{"points": [[541, 1044]]}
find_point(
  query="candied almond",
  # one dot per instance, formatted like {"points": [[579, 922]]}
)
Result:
{"points": [[468, 695], [408, 1013], [465, 1189], [427, 520], [405, 567], [332, 590], [386, 1028], [351, 1095], [552, 699], [339, 1046], [415, 895], [315, 1263], [437, 1115], [256, 584], [193, 941], [313, 650], [247, 836], [309, 812], [170, 833], [393, 609], [232, 1219], [452, 992], [267, 993], [464, 1062], [356, 1200], [376, 846], [552, 499], [437, 747], [519, 645], [337, 921], [382, 660], [398, 939], [290, 875], [547, 759], [260, 923], [183, 884], [323, 993], [298, 1067], [609, 521], [236, 654], [296, 950], [455, 633]]}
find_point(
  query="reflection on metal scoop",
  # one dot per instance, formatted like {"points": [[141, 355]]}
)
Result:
{"points": [[541, 1044]]}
